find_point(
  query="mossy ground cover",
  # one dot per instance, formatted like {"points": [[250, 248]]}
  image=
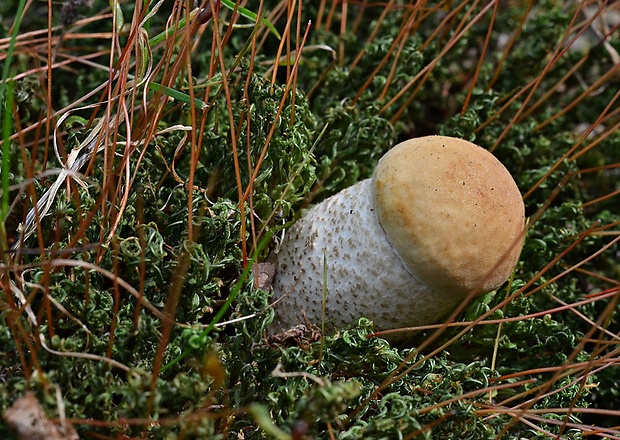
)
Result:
{"points": [[129, 307]]}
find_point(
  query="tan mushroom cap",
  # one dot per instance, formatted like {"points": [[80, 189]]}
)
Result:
{"points": [[452, 212]]}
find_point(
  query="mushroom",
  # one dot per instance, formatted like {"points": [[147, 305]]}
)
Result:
{"points": [[440, 220]]}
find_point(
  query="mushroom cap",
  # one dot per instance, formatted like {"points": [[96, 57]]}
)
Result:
{"points": [[452, 212]]}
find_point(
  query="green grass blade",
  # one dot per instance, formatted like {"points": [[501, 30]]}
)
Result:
{"points": [[251, 16], [179, 96], [6, 151], [9, 52]]}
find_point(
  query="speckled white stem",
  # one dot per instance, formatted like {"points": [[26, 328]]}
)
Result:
{"points": [[365, 277]]}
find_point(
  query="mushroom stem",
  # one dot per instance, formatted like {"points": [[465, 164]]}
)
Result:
{"points": [[362, 269]]}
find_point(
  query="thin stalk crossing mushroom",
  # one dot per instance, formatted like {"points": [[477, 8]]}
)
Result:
{"points": [[440, 220]]}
